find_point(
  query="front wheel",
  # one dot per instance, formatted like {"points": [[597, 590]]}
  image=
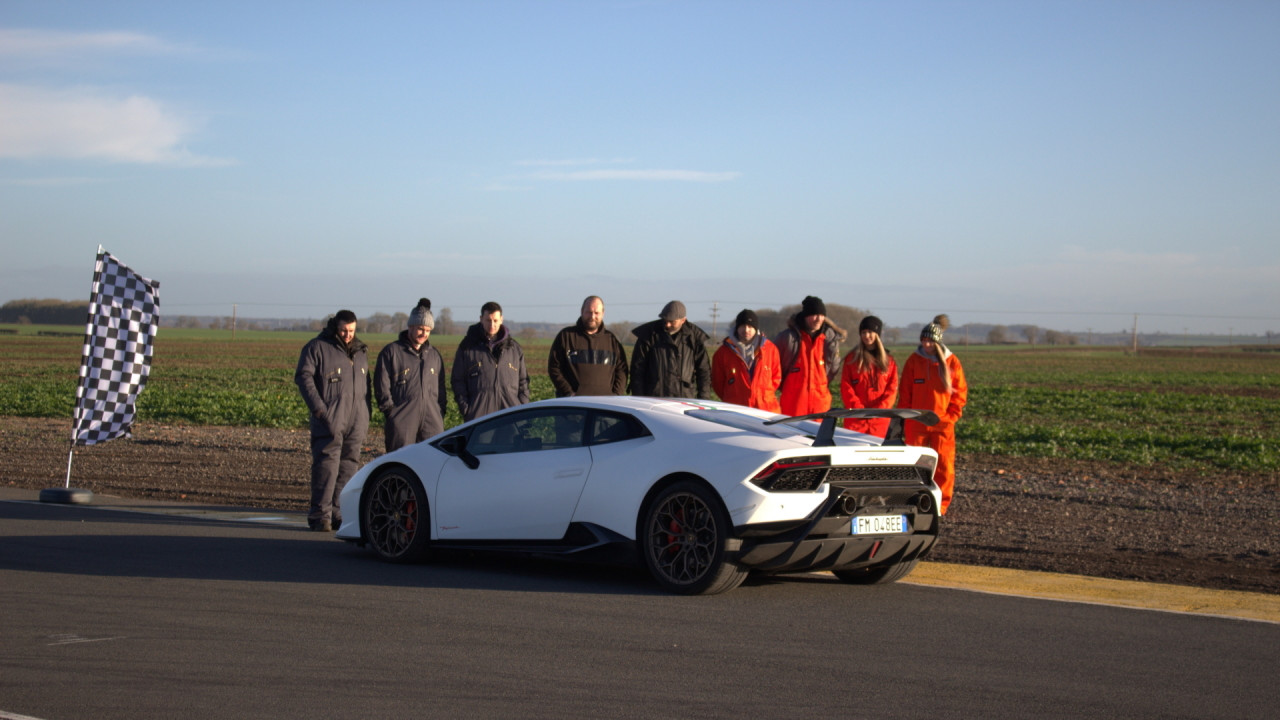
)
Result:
{"points": [[395, 517], [877, 574], [684, 539]]}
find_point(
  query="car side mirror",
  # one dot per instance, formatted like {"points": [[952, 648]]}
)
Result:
{"points": [[457, 445]]}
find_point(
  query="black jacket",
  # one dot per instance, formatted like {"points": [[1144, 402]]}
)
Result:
{"points": [[667, 365], [582, 363]]}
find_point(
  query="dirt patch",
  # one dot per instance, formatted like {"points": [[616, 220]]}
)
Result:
{"points": [[1087, 518]]}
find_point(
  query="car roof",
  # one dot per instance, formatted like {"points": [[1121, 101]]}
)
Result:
{"points": [[711, 416]]}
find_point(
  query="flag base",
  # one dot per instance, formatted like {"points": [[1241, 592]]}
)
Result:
{"points": [[71, 496]]}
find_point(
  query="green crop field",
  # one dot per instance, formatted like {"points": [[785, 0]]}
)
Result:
{"points": [[1194, 411]]}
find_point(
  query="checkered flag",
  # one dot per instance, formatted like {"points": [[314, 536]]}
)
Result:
{"points": [[123, 318]]}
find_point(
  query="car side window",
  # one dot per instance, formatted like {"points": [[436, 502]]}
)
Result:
{"points": [[545, 429], [609, 427]]}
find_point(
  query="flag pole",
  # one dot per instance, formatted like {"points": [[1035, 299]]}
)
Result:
{"points": [[119, 335]]}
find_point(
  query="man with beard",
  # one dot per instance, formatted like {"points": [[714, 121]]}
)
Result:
{"points": [[670, 357], [587, 359], [488, 369], [333, 377], [410, 384]]}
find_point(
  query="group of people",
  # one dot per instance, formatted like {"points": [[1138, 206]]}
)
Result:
{"points": [[409, 386], [790, 374]]}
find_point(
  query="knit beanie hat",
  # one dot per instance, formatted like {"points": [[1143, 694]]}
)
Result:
{"points": [[747, 317], [421, 315], [872, 323], [932, 331], [812, 306]]}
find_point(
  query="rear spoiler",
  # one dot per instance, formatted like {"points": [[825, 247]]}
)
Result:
{"points": [[827, 431]]}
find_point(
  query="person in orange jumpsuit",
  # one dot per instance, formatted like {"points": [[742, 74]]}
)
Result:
{"points": [[933, 379], [809, 350], [869, 378], [745, 368]]}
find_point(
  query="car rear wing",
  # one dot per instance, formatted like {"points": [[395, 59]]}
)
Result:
{"points": [[827, 430]]}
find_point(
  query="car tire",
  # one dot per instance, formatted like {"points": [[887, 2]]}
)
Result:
{"points": [[685, 539], [877, 574], [395, 520]]}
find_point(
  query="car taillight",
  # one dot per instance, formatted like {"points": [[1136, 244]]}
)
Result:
{"points": [[793, 474]]}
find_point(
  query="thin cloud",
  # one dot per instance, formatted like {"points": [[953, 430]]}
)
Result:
{"points": [[573, 162], [50, 181], [88, 124], [38, 44], [650, 175]]}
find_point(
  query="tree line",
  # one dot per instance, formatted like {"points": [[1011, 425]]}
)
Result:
{"points": [[45, 312], [772, 322]]}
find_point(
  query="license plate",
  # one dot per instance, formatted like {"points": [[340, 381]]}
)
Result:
{"points": [[879, 524]]}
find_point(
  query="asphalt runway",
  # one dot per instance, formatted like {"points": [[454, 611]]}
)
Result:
{"points": [[155, 610]]}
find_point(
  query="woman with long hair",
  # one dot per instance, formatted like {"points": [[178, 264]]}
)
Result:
{"points": [[933, 379], [869, 378]]}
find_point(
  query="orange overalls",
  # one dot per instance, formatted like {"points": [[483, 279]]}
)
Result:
{"points": [[922, 389], [805, 386], [868, 388], [734, 383]]}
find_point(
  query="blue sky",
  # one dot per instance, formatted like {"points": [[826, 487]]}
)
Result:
{"points": [[1067, 164]]}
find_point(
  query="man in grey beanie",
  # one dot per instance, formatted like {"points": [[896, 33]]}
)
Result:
{"points": [[409, 382]]}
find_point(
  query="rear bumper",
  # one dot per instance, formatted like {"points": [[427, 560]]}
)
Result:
{"points": [[825, 541]]}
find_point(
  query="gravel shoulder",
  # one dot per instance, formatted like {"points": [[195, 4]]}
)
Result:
{"points": [[1099, 519]]}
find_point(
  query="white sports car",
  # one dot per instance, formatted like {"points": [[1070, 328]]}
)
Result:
{"points": [[698, 492]]}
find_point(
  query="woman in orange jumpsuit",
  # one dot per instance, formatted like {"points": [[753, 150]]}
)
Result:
{"points": [[869, 378], [932, 379], [745, 368]]}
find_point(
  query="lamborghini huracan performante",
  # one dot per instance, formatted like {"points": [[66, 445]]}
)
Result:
{"points": [[700, 493]]}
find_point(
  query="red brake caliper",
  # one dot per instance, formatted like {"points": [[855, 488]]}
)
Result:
{"points": [[410, 515], [675, 531]]}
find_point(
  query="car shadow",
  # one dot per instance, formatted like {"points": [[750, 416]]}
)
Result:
{"points": [[39, 538]]}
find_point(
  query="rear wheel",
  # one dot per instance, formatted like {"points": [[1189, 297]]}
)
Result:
{"points": [[395, 517], [877, 574], [684, 539]]}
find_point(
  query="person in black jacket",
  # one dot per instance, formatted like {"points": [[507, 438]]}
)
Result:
{"points": [[333, 377], [586, 358], [488, 369], [670, 357]]}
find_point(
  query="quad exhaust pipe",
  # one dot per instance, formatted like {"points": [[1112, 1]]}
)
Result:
{"points": [[848, 504]]}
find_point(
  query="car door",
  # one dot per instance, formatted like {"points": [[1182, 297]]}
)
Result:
{"points": [[531, 468]]}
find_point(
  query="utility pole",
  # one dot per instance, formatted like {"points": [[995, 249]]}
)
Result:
{"points": [[233, 321], [715, 321], [1135, 333]]}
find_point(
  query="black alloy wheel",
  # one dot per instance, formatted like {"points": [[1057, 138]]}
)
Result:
{"points": [[396, 521], [684, 540]]}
